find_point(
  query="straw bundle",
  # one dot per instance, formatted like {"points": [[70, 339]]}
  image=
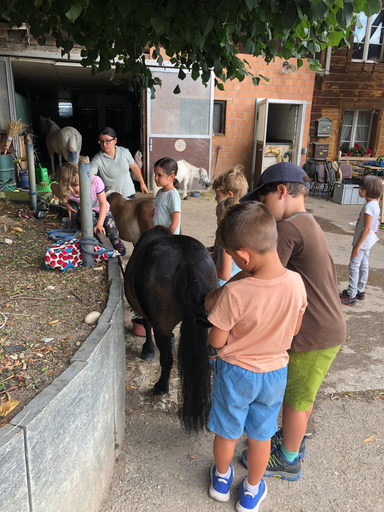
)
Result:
{"points": [[13, 129]]}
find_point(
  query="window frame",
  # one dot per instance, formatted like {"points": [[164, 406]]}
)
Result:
{"points": [[367, 37], [223, 106], [58, 108], [354, 125]]}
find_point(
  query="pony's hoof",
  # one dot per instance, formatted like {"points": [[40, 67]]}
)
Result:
{"points": [[186, 198], [156, 390], [147, 356]]}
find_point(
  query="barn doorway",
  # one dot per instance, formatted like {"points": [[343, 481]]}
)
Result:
{"points": [[279, 126], [71, 96]]}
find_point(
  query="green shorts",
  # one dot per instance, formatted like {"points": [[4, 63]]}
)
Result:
{"points": [[306, 372]]}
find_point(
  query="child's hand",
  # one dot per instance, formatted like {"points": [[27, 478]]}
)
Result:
{"points": [[355, 251], [69, 208], [99, 228]]}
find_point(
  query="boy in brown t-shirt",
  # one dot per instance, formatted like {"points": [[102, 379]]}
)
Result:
{"points": [[254, 321], [302, 247]]}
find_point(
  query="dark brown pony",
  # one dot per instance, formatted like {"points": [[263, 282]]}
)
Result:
{"points": [[166, 280]]}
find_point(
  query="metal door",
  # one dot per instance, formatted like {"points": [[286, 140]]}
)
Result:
{"points": [[259, 139], [180, 125], [7, 97], [262, 119]]}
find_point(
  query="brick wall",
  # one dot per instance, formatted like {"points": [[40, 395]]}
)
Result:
{"points": [[237, 143]]}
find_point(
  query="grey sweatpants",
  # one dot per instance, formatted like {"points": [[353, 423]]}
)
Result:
{"points": [[358, 272]]}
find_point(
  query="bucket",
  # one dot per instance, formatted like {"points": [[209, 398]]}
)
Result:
{"points": [[6, 168], [24, 180], [41, 175]]}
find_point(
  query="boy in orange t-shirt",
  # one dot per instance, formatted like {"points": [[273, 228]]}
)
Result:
{"points": [[254, 321]]}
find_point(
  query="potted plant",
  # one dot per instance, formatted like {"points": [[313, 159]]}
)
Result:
{"points": [[359, 151]]}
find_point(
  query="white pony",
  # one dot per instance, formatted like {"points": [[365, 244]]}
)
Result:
{"points": [[60, 140], [186, 173]]}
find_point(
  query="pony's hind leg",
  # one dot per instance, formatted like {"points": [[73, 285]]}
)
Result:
{"points": [[148, 350], [163, 343]]}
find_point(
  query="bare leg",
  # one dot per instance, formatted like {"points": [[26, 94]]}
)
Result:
{"points": [[52, 157], [223, 450], [294, 426], [258, 457]]}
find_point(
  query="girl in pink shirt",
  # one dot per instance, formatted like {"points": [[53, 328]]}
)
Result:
{"points": [[68, 191]]}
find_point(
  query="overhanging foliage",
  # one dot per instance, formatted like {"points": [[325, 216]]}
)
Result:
{"points": [[197, 35]]}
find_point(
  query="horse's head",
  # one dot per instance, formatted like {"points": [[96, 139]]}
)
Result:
{"points": [[45, 124], [203, 178]]}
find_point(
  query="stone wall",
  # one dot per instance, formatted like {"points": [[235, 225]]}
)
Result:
{"points": [[58, 453]]}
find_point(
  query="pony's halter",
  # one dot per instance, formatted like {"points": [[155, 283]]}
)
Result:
{"points": [[202, 181]]}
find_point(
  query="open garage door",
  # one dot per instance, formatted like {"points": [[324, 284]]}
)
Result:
{"points": [[72, 96]]}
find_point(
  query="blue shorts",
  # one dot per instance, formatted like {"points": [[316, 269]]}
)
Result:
{"points": [[245, 401]]}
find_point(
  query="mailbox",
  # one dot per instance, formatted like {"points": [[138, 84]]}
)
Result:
{"points": [[324, 127], [320, 151]]}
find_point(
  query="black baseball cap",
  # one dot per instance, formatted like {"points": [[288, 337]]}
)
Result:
{"points": [[283, 172]]}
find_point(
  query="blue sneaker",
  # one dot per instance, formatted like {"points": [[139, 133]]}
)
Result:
{"points": [[276, 441], [220, 487], [248, 501], [280, 467]]}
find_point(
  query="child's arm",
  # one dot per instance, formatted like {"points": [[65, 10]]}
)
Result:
{"points": [[218, 337], [175, 216], [298, 324], [103, 212], [224, 272], [364, 234], [55, 187], [211, 297]]}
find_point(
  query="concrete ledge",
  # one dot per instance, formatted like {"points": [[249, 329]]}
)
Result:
{"points": [[58, 453]]}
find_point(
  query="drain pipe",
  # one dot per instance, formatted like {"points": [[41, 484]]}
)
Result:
{"points": [[31, 170], [86, 208]]}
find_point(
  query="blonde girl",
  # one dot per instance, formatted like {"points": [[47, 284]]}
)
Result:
{"points": [[225, 266], [68, 191]]}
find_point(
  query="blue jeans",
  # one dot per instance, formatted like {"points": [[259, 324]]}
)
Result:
{"points": [[358, 272]]}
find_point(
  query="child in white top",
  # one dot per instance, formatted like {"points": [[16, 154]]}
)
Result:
{"points": [[365, 237], [167, 204]]}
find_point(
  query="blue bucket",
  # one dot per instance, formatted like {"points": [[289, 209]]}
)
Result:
{"points": [[24, 180]]}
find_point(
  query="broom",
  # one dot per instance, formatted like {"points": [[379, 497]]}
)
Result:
{"points": [[13, 129]]}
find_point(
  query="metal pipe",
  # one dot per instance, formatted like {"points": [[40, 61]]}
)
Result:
{"points": [[31, 171], [86, 207]]}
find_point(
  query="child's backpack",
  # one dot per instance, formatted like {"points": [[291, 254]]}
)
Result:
{"points": [[67, 254], [330, 172]]}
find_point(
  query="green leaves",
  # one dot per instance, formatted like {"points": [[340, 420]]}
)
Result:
{"points": [[75, 10], [334, 38], [196, 36], [372, 7]]}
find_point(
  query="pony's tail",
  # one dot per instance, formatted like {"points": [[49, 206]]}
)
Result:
{"points": [[195, 374]]}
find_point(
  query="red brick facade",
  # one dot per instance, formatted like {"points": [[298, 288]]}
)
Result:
{"points": [[237, 143]]}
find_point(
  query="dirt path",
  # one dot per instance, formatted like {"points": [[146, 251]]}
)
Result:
{"points": [[161, 469]]}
